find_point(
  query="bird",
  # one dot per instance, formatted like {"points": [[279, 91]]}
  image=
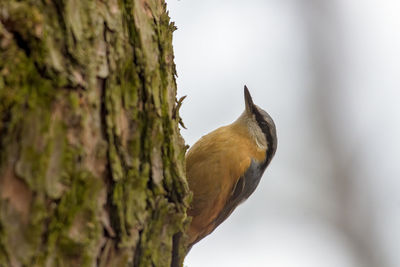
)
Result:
{"points": [[224, 167]]}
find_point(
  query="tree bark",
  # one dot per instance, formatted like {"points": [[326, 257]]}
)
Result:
{"points": [[91, 158]]}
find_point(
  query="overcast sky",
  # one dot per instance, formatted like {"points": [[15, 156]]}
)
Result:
{"points": [[282, 50]]}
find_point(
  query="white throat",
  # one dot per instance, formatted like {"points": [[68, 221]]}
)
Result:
{"points": [[254, 130]]}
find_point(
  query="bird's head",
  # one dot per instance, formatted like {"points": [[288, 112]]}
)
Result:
{"points": [[260, 125]]}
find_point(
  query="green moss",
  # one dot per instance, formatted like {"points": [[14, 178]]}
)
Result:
{"points": [[34, 233], [70, 248], [3, 251], [74, 100], [75, 229], [33, 163], [22, 82], [116, 164]]}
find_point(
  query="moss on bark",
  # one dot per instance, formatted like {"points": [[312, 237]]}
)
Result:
{"points": [[91, 159]]}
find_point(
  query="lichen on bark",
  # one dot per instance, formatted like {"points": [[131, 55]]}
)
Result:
{"points": [[91, 159]]}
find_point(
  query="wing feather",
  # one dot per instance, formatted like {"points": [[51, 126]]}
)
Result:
{"points": [[244, 187]]}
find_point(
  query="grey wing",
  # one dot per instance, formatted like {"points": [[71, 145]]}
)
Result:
{"points": [[244, 187]]}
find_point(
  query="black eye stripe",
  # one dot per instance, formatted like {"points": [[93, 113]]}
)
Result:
{"points": [[267, 129]]}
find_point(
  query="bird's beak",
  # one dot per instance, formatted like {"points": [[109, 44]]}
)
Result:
{"points": [[248, 100]]}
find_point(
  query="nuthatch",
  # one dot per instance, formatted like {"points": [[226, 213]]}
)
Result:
{"points": [[224, 167]]}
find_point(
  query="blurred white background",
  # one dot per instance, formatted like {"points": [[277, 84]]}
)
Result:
{"points": [[328, 72]]}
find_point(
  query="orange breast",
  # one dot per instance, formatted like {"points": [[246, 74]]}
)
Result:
{"points": [[213, 166]]}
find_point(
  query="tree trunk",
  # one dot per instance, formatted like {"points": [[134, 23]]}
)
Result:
{"points": [[91, 158]]}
